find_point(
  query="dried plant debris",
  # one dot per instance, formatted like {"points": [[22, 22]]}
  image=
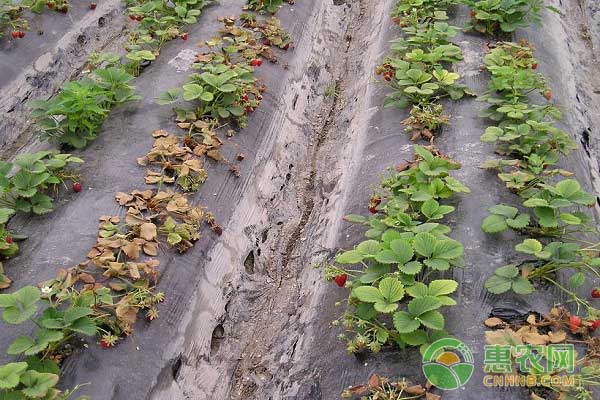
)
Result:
{"points": [[380, 388], [531, 333], [177, 160]]}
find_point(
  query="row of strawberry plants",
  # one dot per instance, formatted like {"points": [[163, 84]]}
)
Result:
{"points": [[224, 91], [406, 247], [104, 294], [395, 298], [159, 22], [551, 198], [101, 296], [562, 239], [415, 69], [73, 118]]}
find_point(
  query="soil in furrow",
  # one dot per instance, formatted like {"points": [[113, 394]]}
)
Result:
{"points": [[253, 343]]}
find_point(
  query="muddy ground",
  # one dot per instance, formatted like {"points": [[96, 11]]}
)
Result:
{"points": [[246, 314]]}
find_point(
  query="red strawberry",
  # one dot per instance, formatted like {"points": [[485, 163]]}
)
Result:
{"points": [[139, 17], [8, 240], [574, 323], [93, 6], [21, 34], [534, 66], [548, 95], [77, 187], [596, 293], [132, 17], [340, 280], [286, 47], [15, 34], [184, 36], [266, 42], [245, 97], [249, 109], [595, 325], [105, 344], [387, 76], [259, 97], [256, 62]]}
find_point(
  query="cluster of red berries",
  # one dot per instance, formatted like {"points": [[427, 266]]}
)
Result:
{"points": [[387, 70], [245, 98], [17, 34], [63, 9], [575, 324]]}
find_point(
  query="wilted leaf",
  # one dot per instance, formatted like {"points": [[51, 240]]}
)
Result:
{"points": [[150, 248], [494, 322], [148, 231], [374, 381], [132, 250], [557, 337], [503, 337], [415, 390]]}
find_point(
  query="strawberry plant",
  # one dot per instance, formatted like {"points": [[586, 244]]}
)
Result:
{"points": [[33, 379], [493, 16], [175, 156], [74, 116], [56, 325], [217, 91], [225, 88], [270, 6], [388, 304], [271, 30], [39, 374], [158, 23], [25, 183], [11, 18], [37, 6]]}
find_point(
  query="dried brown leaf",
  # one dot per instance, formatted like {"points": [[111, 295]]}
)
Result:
{"points": [[132, 250], [494, 322], [503, 337], [148, 231], [150, 248], [374, 381], [415, 390], [557, 337]]}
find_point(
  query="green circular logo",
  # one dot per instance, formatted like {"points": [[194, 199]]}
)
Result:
{"points": [[448, 363]]}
